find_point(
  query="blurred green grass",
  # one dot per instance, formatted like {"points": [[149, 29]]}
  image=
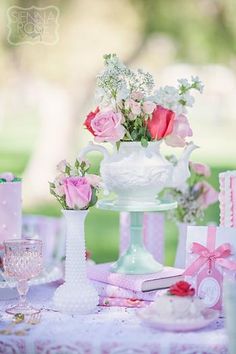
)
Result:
{"points": [[102, 227]]}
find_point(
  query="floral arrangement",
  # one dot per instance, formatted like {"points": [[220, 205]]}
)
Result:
{"points": [[8, 177], [130, 108], [181, 288], [74, 187], [196, 196]]}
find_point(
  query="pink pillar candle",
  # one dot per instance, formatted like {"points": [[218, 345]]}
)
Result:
{"points": [[10, 210]]}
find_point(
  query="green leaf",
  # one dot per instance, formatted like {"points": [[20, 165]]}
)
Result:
{"points": [[77, 164], [144, 142], [94, 198], [118, 145], [51, 185], [134, 135], [129, 137], [67, 170]]}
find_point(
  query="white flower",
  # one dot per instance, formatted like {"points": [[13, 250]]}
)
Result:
{"points": [[197, 83], [184, 83], [188, 99], [122, 94]]}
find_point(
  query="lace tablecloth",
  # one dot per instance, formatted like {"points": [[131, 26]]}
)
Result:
{"points": [[109, 331]]}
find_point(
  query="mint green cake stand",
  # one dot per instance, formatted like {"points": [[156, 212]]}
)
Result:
{"points": [[137, 259]]}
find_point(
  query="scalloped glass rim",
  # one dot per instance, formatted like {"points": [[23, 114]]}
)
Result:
{"points": [[117, 205]]}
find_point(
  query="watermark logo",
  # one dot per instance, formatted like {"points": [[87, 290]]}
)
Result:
{"points": [[33, 25]]}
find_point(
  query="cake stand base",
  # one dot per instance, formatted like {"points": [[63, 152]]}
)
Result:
{"points": [[136, 260]]}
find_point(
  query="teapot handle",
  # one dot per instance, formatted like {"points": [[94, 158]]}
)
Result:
{"points": [[93, 147]]}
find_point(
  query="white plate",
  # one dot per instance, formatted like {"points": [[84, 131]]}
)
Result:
{"points": [[151, 320], [50, 274]]}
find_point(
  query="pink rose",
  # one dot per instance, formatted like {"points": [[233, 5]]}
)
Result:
{"points": [[161, 123], [107, 126], [78, 192], [148, 107], [181, 130], [89, 119], [208, 196], [134, 106], [200, 169], [137, 95]]}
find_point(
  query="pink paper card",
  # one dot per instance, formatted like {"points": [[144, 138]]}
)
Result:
{"points": [[210, 257]]}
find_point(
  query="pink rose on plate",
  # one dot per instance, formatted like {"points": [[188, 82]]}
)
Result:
{"points": [[181, 130], [208, 196], [148, 107], [107, 126], [78, 192], [200, 169]]}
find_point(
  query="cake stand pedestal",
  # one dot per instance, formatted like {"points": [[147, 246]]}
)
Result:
{"points": [[137, 259]]}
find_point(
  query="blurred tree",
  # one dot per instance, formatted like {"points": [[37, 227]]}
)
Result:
{"points": [[203, 30]]}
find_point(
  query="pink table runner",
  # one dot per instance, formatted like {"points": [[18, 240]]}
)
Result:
{"points": [[111, 331]]}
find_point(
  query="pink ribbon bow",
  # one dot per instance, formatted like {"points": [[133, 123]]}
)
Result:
{"points": [[210, 255]]}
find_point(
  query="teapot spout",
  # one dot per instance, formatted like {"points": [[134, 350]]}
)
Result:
{"points": [[181, 171]]}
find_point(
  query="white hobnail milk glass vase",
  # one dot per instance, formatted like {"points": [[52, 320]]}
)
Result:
{"points": [[180, 258], [76, 295]]}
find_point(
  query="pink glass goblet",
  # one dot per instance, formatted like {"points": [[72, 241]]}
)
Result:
{"points": [[22, 261]]}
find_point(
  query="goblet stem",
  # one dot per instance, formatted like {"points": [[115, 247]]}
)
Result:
{"points": [[22, 287]]}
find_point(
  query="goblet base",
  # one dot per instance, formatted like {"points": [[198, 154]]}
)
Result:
{"points": [[26, 310]]}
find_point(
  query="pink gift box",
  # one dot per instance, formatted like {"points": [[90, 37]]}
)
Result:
{"points": [[211, 256], [10, 210]]}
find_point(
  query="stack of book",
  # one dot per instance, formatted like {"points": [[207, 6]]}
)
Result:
{"points": [[116, 289]]}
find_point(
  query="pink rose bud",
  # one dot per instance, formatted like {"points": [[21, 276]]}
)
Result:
{"points": [[94, 180], [208, 196], [137, 95], [61, 166], [148, 107], [134, 106], [200, 169]]}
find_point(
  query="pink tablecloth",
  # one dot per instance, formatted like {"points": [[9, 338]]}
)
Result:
{"points": [[109, 331]]}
